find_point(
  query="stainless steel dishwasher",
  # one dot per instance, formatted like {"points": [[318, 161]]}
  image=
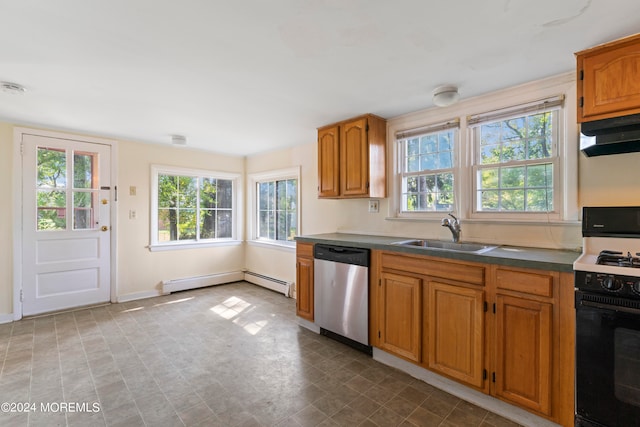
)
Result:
{"points": [[341, 299]]}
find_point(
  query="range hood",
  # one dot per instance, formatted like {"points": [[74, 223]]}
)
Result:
{"points": [[610, 136]]}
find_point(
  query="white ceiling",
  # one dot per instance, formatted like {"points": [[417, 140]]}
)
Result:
{"points": [[248, 76]]}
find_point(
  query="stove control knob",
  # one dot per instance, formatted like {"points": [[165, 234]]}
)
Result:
{"points": [[611, 284], [635, 287]]}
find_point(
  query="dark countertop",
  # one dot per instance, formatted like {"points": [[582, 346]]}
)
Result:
{"points": [[514, 256]]}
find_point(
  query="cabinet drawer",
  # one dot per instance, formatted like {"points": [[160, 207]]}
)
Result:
{"points": [[473, 274], [521, 281], [304, 250]]}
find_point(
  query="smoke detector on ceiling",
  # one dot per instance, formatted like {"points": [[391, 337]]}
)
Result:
{"points": [[12, 88]]}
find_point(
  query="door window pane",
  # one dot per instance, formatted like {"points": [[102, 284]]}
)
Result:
{"points": [[83, 170], [83, 210], [52, 213], [52, 168]]}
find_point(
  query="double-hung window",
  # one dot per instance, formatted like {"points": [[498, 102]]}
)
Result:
{"points": [[276, 206], [192, 207], [516, 159], [427, 165]]}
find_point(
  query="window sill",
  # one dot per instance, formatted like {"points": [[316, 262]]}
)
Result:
{"points": [[192, 245], [272, 244]]}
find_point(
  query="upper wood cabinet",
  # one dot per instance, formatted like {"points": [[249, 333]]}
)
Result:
{"points": [[608, 81], [352, 158]]}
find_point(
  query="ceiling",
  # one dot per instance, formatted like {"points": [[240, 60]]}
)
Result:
{"points": [[247, 76]]}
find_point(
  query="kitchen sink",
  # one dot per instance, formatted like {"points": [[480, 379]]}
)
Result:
{"points": [[476, 248]]}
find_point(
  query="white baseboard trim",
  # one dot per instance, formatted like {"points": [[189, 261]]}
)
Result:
{"points": [[184, 284], [482, 400], [138, 295], [7, 318], [274, 284]]}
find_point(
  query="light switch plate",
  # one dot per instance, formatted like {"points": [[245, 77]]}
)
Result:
{"points": [[374, 206]]}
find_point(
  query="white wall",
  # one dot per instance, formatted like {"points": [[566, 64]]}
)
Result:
{"points": [[318, 216]]}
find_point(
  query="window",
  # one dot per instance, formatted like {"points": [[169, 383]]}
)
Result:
{"points": [[516, 161], [192, 206], [276, 212], [427, 165], [278, 209]]}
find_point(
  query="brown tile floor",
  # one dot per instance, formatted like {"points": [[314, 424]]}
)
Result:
{"points": [[230, 355]]}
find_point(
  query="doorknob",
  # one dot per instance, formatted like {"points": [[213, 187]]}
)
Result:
{"points": [[104, 228]]}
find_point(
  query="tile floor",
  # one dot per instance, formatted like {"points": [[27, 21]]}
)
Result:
{"points": [[230, 355]]}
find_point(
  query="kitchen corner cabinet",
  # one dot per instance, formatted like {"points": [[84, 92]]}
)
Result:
{"points": [[608, 80], [352, 158], [505, 331], [304, 280]]}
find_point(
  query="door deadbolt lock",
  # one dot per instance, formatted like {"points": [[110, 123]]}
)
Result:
{"points": [[104, 228]]}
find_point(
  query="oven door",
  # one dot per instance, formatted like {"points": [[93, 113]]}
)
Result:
{"points": [[607, 361]]}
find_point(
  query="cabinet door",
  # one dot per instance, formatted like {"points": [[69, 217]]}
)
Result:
{"points": [[304, 288], [523, 352], [400, 312], [328, 162], [456, 332], [354, 158], [611, 82]]}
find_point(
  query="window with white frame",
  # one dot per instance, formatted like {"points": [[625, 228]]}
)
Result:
{"points": [[276, 216], [516, 159], [427, 164], [191, 206]]}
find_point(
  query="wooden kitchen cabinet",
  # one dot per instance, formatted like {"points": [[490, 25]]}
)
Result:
{"points": [[523, 348], [505, 331], [400, 315], [456, 332], [608, 81], [352, 158], [304, 281]]}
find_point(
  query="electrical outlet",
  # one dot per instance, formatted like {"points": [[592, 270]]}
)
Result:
{"points": [[133, 214], [374, 206]]}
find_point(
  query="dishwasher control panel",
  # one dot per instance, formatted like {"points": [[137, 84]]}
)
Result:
{"points": [[343, 254]]}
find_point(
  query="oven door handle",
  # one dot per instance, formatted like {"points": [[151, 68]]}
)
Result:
{"points": [[609, 307]]}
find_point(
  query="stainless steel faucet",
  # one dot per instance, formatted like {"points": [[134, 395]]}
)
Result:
{"points": [[454, 226]]}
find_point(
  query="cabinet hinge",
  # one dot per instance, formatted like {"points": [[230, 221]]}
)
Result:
{"points": [[486, 307], [494, 308], [367, 185], [581, 75], [379, 282], [581, 102], [484, 374], [366, 128], [493, 377], [378, 334], [21, 295]]}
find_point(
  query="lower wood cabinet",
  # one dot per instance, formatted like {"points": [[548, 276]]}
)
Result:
{"points": [[400, 315], [505, 331], [304, 281], [523, 345], [456, 332]]}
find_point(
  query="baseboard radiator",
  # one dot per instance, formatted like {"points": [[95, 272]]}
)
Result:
{"points": [[269, 282], [176, 285]]}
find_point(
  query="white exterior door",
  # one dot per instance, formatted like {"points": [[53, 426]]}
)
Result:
{"points": [[66, 224]]}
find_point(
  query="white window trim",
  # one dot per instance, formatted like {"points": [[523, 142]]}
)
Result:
{"points": [[555, 160], [252, 205], [155, 246], [567, 208], [400, 156]]}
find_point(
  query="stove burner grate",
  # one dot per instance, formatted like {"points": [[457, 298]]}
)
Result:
{"points": [[617, 259]]}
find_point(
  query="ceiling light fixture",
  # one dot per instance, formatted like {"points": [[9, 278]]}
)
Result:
{"points": [[444, 96], [178, 140], [12, 88]]}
